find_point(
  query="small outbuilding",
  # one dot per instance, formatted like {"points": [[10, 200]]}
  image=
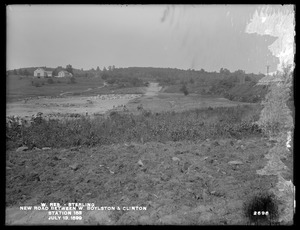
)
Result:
{"points": [[64, 73]]}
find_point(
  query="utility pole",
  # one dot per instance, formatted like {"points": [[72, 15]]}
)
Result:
{"points": [[268, 70]]}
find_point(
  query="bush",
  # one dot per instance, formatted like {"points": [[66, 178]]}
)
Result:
{"points": [[50, 81], [72, 80], [184, 90], [37, 84], [276, 117]]}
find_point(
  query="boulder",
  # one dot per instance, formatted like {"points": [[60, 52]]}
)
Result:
{"points": [[140, 163], [74, 166], [215, 144], [235, 163], [46, 148], [22, 149], [175, 159], [178, 152]]}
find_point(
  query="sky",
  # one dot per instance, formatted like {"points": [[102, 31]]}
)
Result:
{"points": [[208, 37]]}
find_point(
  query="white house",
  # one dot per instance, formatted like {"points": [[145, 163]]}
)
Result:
{"points": [[42, 72], [64, 73]]}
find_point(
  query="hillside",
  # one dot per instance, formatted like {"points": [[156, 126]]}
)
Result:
{"points": [[238, 85]]}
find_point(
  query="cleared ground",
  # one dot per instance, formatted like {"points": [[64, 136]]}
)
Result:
{"points": [[179, 182], [89, 102]]}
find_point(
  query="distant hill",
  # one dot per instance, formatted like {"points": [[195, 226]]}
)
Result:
{"points": [[236, 85]]}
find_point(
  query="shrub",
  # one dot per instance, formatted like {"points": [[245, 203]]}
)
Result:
{"points": [[72, 80], [184, 90], [50, 81], [276, 116], [117, 128], [37, 84]]}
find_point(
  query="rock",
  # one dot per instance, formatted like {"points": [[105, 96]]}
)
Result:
{"points": [[165, 177], [34, 176], [140, 163], [46, 148], [205, 217], [239, 141], [192, 178], [185, 166], [175, 159], [36, 148], [215, 143], [22, 149], [177, 152], [74, 166], [235, 163], [243, 147], [144, 220], [74, 149], [268, 144], [224, 142], [56, 158]]}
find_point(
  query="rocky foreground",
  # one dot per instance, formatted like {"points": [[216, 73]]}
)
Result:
{"points": [[186, 183]]}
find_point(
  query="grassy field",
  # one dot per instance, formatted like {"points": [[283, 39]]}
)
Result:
{"points": [[21, 87], [247, 92], [177, 102]]}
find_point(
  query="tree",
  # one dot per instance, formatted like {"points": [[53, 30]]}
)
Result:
{"points": [[15, 72], [56, 71], [72, 80], [105, 76], [184, 90], [239, 72], [224, 71], [26, 72], [98, 69], [21, 72], [69, 69]]}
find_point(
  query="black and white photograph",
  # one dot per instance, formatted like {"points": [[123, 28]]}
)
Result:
{"points": [[148, 114]]}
